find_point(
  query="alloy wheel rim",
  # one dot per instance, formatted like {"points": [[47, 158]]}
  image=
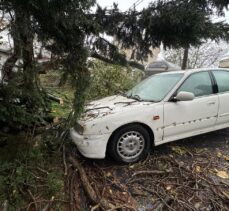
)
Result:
{"points": [[130, 145]]}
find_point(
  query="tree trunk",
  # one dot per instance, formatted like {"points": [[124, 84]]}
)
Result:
{"points": [[28, 70], [27, 37], [185, 58]]}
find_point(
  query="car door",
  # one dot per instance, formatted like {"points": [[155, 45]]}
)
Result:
{"points": [[187, 118], [222, 80]]}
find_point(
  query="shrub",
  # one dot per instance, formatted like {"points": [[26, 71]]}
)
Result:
{"points": [[107, 79]]}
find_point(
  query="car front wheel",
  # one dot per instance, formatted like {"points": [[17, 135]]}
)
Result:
{"points": [[129, 144]]}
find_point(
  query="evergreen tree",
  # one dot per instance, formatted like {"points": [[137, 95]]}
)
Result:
{"points": [[71, 31]]}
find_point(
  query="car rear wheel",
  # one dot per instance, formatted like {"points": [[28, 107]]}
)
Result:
{"points": [[129, 144]]}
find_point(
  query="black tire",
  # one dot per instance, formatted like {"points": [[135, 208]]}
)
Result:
{"points": [[115, 152]]}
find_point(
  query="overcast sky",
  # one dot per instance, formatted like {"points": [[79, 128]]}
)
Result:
{"points": [[126, 4]]}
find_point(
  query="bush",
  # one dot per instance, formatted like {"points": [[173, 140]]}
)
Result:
{"points": [[20, 106], [109, 79]]}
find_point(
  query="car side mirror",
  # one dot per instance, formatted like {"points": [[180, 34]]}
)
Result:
{"points": [[184, 96]]}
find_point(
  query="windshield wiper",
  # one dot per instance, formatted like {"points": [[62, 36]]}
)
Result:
{"points": [[138, 98], [152, 101], [135, 97]]}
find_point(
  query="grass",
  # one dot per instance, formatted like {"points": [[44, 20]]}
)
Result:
{"points": [[30, 165]]}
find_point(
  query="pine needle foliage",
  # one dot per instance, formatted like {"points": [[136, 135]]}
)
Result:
{"points": [[72, 29]]}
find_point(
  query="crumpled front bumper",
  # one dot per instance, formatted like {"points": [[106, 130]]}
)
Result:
{"points": [[90, 146]]}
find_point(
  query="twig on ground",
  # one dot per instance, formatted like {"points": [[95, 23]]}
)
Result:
{"points": [[42, 170], [64, 161], [122, 207], [49, 204], [95, 207], [148, 172], [88, 188], [165, 201], [33, 198]]}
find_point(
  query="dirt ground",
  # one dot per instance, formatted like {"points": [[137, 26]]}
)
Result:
{"points": [[190, 174]]}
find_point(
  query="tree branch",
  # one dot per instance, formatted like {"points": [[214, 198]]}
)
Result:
{"points": [[106, 205], [128, 63]]}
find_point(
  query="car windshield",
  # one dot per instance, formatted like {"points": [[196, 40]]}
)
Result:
{"points": [[154, 88]]}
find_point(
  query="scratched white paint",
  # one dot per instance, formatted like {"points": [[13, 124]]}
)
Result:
{"points": [[177, 119]]}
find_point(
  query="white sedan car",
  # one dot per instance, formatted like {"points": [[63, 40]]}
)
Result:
{"points": [[163, 108]]}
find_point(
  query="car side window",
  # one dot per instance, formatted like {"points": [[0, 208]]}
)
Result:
{"points": [[198, 83], [222, 79]]}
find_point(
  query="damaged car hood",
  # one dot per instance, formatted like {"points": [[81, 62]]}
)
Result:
{"points": [[109, 105]]}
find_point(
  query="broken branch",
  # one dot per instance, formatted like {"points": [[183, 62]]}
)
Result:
{"points": [[88, 188]]}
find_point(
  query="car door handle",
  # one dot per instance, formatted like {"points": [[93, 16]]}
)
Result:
{"points": [[211, 103]]}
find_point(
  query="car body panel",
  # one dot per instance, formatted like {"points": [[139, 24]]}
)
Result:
{"points": [[168, 120], [180, 120], [128, 113], [91, 146], [223, 114]]}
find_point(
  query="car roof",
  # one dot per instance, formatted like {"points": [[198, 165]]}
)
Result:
{"points": [[205, 69], [190, 71]]}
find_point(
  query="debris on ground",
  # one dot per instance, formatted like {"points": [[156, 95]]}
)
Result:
{"points": [[185, 175]]}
